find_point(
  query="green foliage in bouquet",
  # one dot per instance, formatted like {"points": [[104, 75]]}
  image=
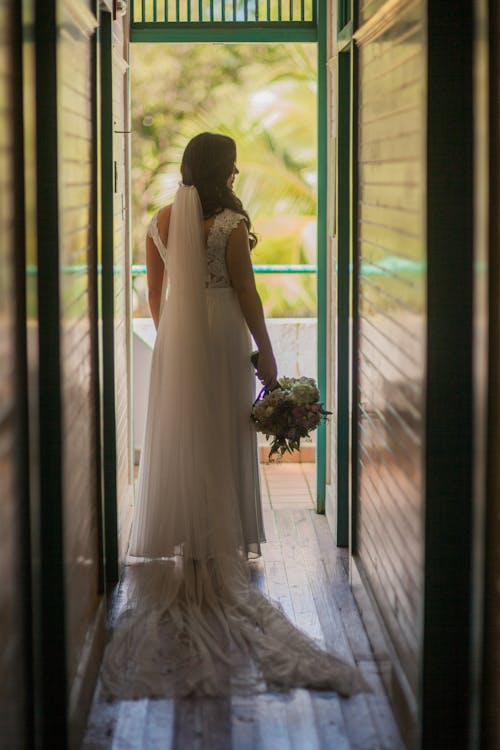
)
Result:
{"points": [[288, 413]]}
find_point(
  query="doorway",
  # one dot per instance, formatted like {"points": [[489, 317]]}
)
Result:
{"points": [[234, 24]]}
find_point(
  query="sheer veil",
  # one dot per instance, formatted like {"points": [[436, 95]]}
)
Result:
{"points": [[186, 461], [193, 623]]}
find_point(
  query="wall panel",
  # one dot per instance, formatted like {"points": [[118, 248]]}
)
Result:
{"points": [[122, 290], [391, 305], [80, 441], [13, 722]]}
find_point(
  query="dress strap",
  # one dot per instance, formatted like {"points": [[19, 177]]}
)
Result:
{"points": [[155, 236]]}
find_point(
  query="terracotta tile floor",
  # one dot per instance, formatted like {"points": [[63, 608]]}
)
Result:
{"points": [[288, 485]]}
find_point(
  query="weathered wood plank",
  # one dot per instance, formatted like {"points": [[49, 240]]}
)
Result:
{"points": [[159, 728], [101, 724], [217, 720], [301, 724], [272, 722], [380, 710], [329, 721], [130, 725], [188, 724], [244, 723], [307, 575], [391, 344]]}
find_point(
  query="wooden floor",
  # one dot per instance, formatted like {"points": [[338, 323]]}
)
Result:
{"points": [[307, 574]]}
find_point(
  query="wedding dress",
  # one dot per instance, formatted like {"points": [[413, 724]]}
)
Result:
{"points": [[194, 624]]}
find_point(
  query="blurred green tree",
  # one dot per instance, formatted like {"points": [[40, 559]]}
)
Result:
{"points": [[264, 96]]}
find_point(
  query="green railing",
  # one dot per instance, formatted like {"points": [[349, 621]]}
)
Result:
{"points": [[390, 265], [222, 11], [139, 270]]}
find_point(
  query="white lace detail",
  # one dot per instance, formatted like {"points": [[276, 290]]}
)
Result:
{"points": [[223, 225], [155, 236]]}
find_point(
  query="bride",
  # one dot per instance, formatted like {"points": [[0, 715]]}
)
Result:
{"points": [[194, 624]]}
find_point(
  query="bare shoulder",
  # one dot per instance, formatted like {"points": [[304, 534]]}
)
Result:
{"points": [[164, 222], [164, 217], [239, 235]]}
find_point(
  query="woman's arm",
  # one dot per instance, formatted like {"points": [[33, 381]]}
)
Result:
{"points": [[242, 278], [155, 267]]}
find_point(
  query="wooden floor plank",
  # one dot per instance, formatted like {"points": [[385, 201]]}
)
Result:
{"points": [[358, 722], [217, 723], [130, 726], [306, 573], [159, 729], [329, 721], [244, 723], [272, 722], [380, 709], [188, 724], [101, 724], [329, 615], [277, 586], [301, 723]]}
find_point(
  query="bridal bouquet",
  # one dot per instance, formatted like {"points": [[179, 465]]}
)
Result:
{"points": [[288, 413]]}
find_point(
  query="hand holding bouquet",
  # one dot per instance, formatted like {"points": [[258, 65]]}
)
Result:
{"points": [[288, 413]]}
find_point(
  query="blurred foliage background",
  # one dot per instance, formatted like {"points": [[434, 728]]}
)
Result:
{"points": [[263, 96]]}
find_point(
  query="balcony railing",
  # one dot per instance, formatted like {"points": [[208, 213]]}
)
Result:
{"points": [[140, 270], [173, 12]]}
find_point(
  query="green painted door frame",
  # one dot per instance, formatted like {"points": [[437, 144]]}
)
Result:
{"points": [[107, 188], [347, 274], [342, 353], [447, 650], [236, 32], [48, 569]]}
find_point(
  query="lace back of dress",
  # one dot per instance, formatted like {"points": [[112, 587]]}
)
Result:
{"points": [[223, 225]]}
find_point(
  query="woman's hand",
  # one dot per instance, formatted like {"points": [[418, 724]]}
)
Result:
{"points": [[267, 370]]}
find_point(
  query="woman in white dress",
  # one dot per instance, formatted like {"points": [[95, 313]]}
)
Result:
{"points": [[222, 358], [194, 624]]}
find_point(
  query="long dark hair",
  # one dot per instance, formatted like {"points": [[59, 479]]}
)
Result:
{"points": [[207, 163]]}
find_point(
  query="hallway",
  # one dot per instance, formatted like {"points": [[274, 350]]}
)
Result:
{"points": [[303, 570]]}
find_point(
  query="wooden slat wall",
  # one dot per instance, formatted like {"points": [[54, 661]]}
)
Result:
{"points": [[392, 328], [124, 462], [367, 8], [12, 718], [491, 658], [80, 442]]}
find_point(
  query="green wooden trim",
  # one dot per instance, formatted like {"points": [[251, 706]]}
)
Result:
{"points": [[321, 278], [108, 300], [487, 577], [344, 44], [224, 32], [445, 675], [344, 13], [51, 681], [139, 269], [344, 36], [343, 292], [25, 474], [355, 270], [96, 292]]}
